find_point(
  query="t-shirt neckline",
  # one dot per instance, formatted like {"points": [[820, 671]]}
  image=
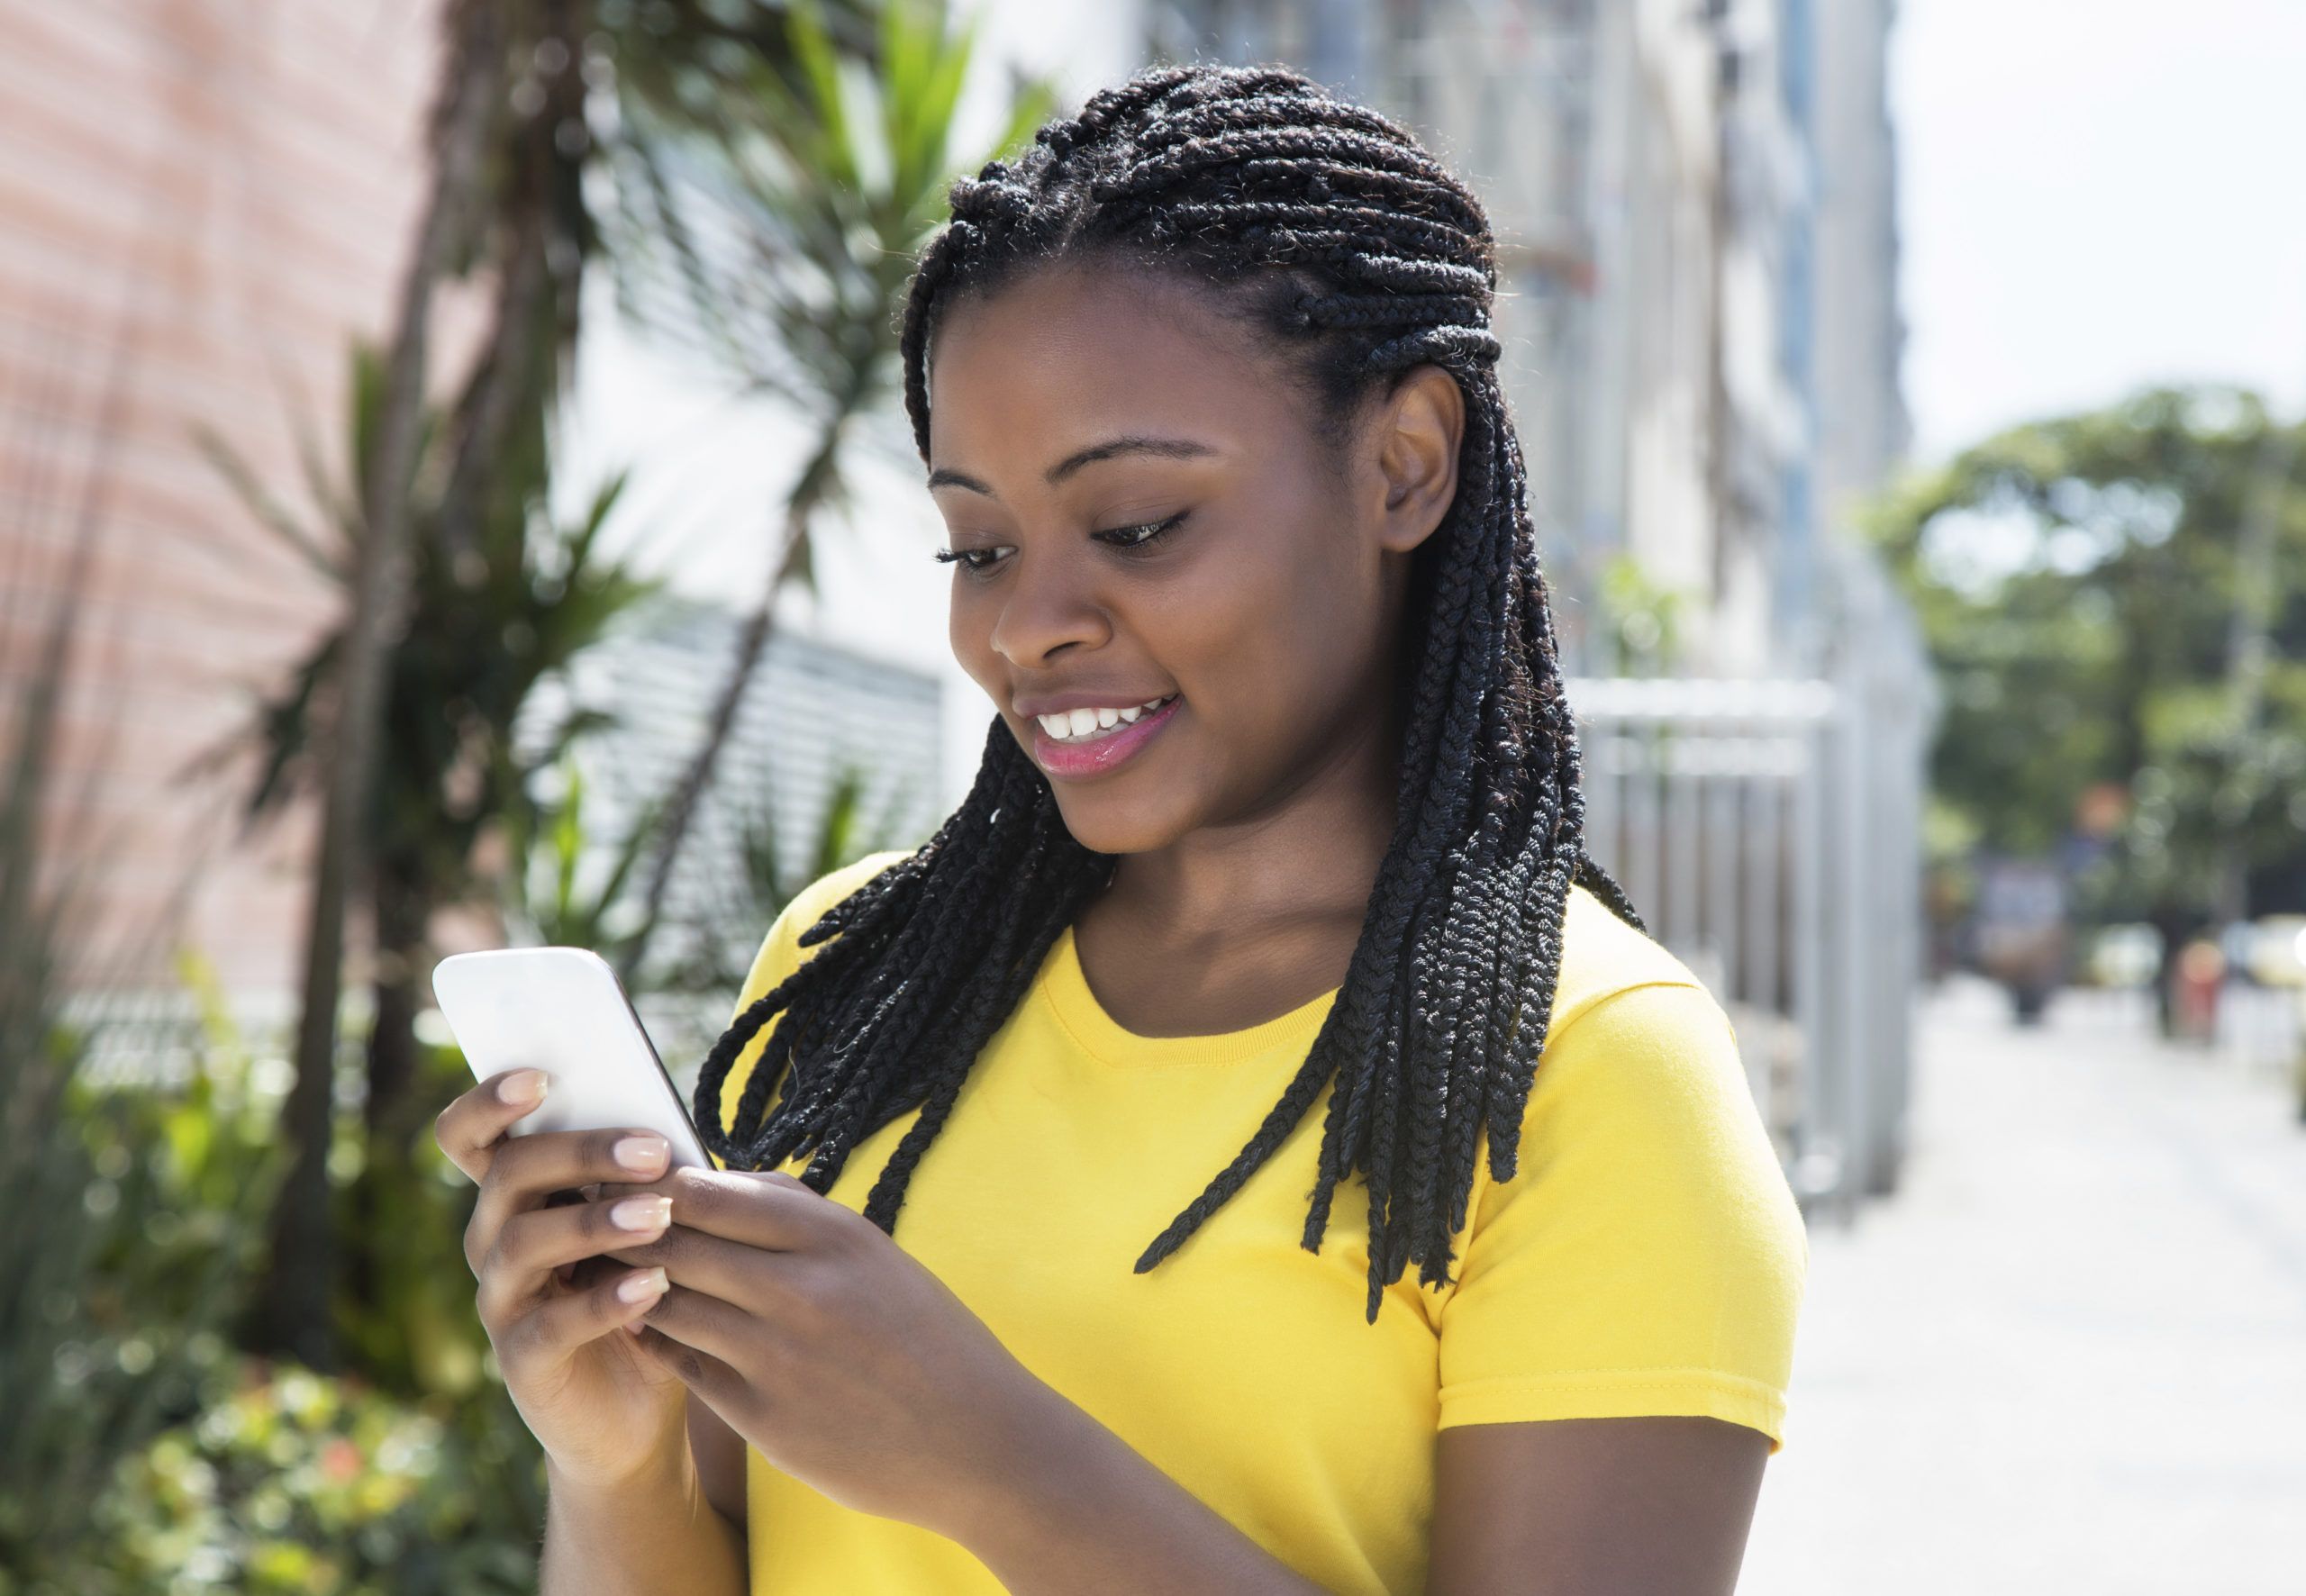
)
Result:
{"points": [[1098, 1033]]}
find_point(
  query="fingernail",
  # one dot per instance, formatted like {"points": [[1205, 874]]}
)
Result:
{"points": [[641, 1213], [641, 1287], [522, 1085], [640, 1153]]}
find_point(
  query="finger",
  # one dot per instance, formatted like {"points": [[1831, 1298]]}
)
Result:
{"points": [[706, 1323], [754, 1278], [550, 1331], [772, 1210], [533, 1245], [716, 1383], [468, 1129], [527, 1170]]}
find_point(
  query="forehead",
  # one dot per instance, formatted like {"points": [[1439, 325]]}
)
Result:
{"points": [[1071, 349]]}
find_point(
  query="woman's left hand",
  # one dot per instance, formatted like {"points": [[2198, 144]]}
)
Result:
{"points": [[834, 1353]]}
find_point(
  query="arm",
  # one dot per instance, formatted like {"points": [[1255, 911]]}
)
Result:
{"points": [[662, 1529], [1078, 1509], [1629, 1506], [719, 1453], [1653, 1505]]}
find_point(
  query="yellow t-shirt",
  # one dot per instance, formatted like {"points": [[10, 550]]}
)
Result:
{"points": [[1647, 1257]]}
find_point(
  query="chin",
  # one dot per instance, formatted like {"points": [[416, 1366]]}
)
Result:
{"points": [[1130, 811], [1112, 824]]}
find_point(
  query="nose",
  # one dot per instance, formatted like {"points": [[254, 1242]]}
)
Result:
{"points": [[1048, 604]]}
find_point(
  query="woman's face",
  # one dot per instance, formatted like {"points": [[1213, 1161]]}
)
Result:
{"points": [[1074, 411]]}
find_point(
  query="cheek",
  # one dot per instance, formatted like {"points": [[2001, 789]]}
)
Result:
{"points": [[968, 630], [1253, 639]]}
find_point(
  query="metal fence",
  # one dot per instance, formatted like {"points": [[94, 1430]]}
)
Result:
{"points": [[1768, 831]]}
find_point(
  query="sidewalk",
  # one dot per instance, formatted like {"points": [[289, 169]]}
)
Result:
{"points": [[2070, 1354]]}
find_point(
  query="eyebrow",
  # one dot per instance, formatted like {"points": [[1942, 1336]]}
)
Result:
{"points": [[1168, 448]]}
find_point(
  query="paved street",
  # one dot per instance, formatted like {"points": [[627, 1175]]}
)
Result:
{"points": [[2070, 1354]]}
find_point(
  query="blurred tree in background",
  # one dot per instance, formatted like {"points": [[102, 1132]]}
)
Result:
{"points": [[833, 182], [1638, 621], [486, 624], [2116, 603], [545, 110]]}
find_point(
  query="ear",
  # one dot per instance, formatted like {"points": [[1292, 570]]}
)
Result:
{"points": [[1416, 435]]}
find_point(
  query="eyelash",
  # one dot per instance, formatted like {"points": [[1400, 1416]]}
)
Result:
{"points": [[1154, 530]]}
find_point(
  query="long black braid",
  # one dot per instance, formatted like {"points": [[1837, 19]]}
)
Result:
{"points": [[1337, 241]]}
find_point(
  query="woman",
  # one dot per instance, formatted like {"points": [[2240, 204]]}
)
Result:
{"points": [[1262, 962]]}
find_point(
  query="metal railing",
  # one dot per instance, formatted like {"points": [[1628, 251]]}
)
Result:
{"points": [[1768, 831]]}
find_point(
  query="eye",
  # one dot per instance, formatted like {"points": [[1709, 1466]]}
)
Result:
{"points": [[973, 561], [1138, 536]]}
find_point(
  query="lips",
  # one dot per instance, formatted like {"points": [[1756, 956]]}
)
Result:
{"points": [[1103, 751]]}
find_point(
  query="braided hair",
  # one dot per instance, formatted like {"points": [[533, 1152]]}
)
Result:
{"points": [[1337, 241]]}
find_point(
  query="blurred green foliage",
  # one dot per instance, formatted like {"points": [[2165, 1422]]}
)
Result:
{"points": [[2078, 580], [486, 623], [145, 1453], [290, 1483], [1639, 620], [415, 1475], [720, 954]]}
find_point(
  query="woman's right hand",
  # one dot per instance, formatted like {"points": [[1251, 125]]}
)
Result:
{"points": [[554, 1308]]}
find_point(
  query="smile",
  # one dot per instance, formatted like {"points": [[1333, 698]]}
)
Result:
{"points": [[1077, 726], [1099, 748]]}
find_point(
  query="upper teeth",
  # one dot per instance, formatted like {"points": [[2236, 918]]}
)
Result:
{"points": [[1068, 724]]}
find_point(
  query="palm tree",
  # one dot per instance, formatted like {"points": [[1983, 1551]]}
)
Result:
{"points": [[486, 625], [830, 183], [488, 621], [514, 132]]}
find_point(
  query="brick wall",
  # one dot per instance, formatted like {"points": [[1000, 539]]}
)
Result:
{"points": [[200, 202]]}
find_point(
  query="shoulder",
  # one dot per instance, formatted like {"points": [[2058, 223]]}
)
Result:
{"points": [[1645, 1255], [1635, 1034], [1602, 955], [781, 952], [1642, 1130]]}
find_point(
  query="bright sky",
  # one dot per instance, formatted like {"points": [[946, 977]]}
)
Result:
{"points": [[2097, 195]]}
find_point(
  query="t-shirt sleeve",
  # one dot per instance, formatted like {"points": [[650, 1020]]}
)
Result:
{"points": [[781, 953], [1647, 1257]]}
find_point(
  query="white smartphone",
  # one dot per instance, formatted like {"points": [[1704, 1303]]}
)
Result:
{"points": [[562, 1011]]}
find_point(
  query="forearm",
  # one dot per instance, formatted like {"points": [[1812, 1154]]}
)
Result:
{"points": [[1081, 1510], [654, 1532]]}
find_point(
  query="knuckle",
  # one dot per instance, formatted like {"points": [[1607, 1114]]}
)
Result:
{"points": [[509, 1165], [672, 1246], [812, 1295], [512, 1243], [693, 1193], [489, 1302], [492, 1263], [520, 1340]]}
